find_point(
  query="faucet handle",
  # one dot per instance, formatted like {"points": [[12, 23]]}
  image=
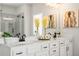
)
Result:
{"points": [[23, 36], [18, 35], [49, 33]]}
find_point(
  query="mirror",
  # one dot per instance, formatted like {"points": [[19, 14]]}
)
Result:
{"points": [[12, 24]]}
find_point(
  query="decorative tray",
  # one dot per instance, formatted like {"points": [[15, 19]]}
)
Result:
{"points": [[43, 39]]}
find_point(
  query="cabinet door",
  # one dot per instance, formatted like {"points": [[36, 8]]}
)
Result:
{"points": [[33, 49], [19, 51], [69, 50], [63, 51], [54, 48], [54, 45], [45, 48], [62, 48], [54, 52], [69, 47]]}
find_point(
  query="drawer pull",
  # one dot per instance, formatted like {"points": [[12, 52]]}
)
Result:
{"points": [[54, 44], [61, 43], [44, 47], [54, 50], [19, 53], [70, 41]]}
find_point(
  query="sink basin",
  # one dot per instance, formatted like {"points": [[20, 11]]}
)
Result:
{"points": [[11, 40]]}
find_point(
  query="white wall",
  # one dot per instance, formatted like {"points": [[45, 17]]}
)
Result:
{"points": [[7, 10], [42, 8]]}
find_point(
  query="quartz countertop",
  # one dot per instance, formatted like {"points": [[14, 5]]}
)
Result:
{"points": [[31, 40], [28, 42]]}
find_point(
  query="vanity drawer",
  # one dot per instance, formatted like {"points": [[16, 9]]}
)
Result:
{"points": [[62, 43], [45, 47], [54, 45], [33, 48], [54, 52], [19, 51]]}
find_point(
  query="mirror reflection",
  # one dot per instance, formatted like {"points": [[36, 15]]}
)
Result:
{"points": [[11, 23]]}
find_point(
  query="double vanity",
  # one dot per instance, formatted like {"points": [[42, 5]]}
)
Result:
{"points": [[61, 46]]}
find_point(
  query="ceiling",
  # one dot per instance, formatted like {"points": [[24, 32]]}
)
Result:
{"points": [[16, 4], [12, 4], [20, 4]]}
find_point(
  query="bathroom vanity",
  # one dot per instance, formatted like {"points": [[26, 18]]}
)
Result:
{"points": [[34, 47]]}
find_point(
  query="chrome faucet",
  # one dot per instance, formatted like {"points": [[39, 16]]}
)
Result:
{"points": [[55, 34], [21, 37]]}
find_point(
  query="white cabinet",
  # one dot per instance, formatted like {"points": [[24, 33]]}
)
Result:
{"points": [[66, 47], [69, 47], [54, 52], [54, 48], [63, 51], [62, 47], [54, 44], [45, 49], [4, 50], [58, 47], [70, 51], [38, 49], [13, 51], [33, 49], [19, 51]]}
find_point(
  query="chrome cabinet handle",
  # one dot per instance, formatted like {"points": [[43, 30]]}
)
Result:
{"points": [[45, 47], [54, 44], [54, 50], [61, 43], [19, 53]]}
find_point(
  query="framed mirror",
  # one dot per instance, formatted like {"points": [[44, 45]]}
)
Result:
{"points": [[70, 18], [12, 24]]}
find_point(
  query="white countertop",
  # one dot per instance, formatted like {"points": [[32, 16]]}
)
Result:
{"points": [[28, 43], [29, 40]]}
